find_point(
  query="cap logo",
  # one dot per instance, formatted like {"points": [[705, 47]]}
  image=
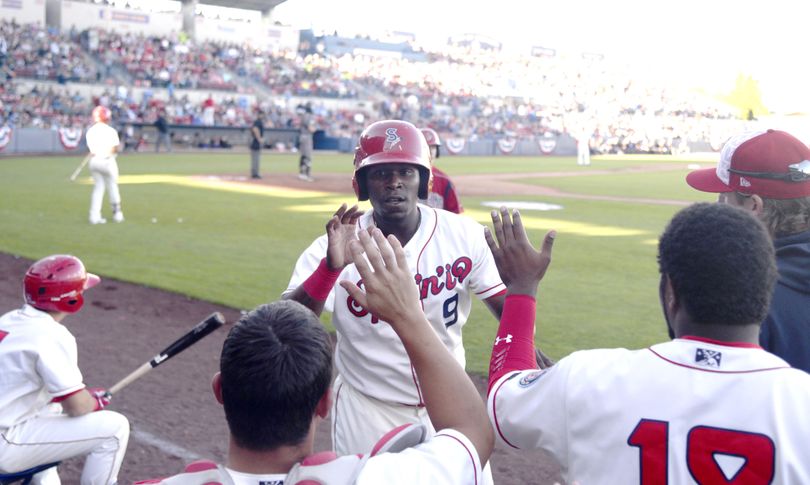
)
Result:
{"points": [[744, 182], [392, 139]]}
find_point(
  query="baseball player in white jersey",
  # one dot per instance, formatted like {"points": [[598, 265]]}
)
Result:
{"points": [[272, 413], [46, 413], [376, 388], [103, 143], [710, 406]]}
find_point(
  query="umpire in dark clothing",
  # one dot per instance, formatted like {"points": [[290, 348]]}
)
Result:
{"points": [[162, 127], [256, 138]]}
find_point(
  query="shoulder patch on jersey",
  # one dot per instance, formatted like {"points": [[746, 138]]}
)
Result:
{"points": [[529, 379], [708, 358]]}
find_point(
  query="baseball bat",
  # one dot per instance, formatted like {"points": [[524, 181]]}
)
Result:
{"points": [[79, 168], [205, 327]]}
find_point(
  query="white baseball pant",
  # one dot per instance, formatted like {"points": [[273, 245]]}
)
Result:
{"points": [[105, 175], [359, 421], [51, 436]]}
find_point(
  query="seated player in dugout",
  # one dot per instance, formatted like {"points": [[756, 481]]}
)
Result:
{"points": [[376, 388], [46, 413], [274, 384], [442, 192], [709, 406]]}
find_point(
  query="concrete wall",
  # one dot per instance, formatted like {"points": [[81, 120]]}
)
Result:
{"points": [[38, 140], [23, 11], [86, 15]]}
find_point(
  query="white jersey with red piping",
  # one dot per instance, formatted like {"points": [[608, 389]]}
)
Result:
{"points": [[678, 412], [450, 261]]}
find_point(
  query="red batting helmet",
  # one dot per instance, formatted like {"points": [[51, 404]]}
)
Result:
{"points": [[432, 139], [56, 283], [101, 114], [391, 141]]}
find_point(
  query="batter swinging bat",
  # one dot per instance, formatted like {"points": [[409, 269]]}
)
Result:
{"points": [[213, 322]]}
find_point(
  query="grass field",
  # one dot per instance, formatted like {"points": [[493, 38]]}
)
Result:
{"points": [[220, 243]]}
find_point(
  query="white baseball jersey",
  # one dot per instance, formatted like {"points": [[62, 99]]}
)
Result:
{"points": [[39, 362], [449, 457], [101, 140], [685, 411], [451, 262]]}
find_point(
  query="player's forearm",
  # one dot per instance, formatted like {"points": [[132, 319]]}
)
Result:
{"points": [[314, 291], [514, 343], [79, 404], [302, 297], [451, 399]]}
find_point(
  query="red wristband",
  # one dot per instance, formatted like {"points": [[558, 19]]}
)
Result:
{"points": [[514, 344], [321, 282]]}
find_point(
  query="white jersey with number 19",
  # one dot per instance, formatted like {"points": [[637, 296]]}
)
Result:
{"points": [[685, 411]]}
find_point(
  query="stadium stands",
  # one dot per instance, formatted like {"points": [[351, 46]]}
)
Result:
{"points": [[465, 92]]}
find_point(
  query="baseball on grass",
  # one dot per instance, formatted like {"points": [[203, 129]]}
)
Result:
{"points": [[154, 220]]}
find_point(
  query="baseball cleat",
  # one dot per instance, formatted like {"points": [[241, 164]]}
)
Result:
{"points": [[118, 217], [98, 220]]}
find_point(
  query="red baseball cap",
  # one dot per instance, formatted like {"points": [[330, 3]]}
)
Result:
{"points": [[771, 164]]}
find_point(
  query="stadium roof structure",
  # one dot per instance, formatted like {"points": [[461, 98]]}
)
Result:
{"points": [[261, 5]]}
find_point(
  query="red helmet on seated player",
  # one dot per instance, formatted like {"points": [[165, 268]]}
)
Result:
{"points": [[56, 284], [101, 114], [391, 141], [433, 140]]}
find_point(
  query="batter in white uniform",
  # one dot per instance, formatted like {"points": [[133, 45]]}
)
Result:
{"points": [[103, 143], [710, 406], [376, 388], [46, 413]]}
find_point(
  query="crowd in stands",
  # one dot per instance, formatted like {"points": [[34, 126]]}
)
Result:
{"points": [[162, 61], [471, 93], [34, 52], [291, 74]]}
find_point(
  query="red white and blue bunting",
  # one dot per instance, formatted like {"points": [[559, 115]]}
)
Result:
{"points": [[547, 143], [507, 145], [70, 137], [5, 136], [455, 145]]}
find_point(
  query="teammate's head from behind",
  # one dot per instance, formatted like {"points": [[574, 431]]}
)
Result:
{"points": [[433, 141], [717, 272], [56, 284], [275, 372], [392, 167], [765, 172]]}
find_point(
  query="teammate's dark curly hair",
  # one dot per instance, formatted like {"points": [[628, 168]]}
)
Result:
{"points": [[720, 260], [276, 364]]}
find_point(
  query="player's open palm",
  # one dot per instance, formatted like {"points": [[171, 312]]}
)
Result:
{"points": [[390, 292], [341, 230], [521, 266]]}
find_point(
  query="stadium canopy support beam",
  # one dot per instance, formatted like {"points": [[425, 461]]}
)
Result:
{"points": [[53, 14], [189, 9]]}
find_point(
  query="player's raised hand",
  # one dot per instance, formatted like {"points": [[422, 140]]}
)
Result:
{"points": [[341, 231], [390, 291], [521, 267]]}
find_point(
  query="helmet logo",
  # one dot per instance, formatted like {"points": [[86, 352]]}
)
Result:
{"points": [[392, 139]]}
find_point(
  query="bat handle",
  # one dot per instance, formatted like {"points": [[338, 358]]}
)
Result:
{"points": [[128, 379]]}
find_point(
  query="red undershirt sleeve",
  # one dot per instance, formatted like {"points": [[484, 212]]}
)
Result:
{"points": [[513, 349], [321, 282]]}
